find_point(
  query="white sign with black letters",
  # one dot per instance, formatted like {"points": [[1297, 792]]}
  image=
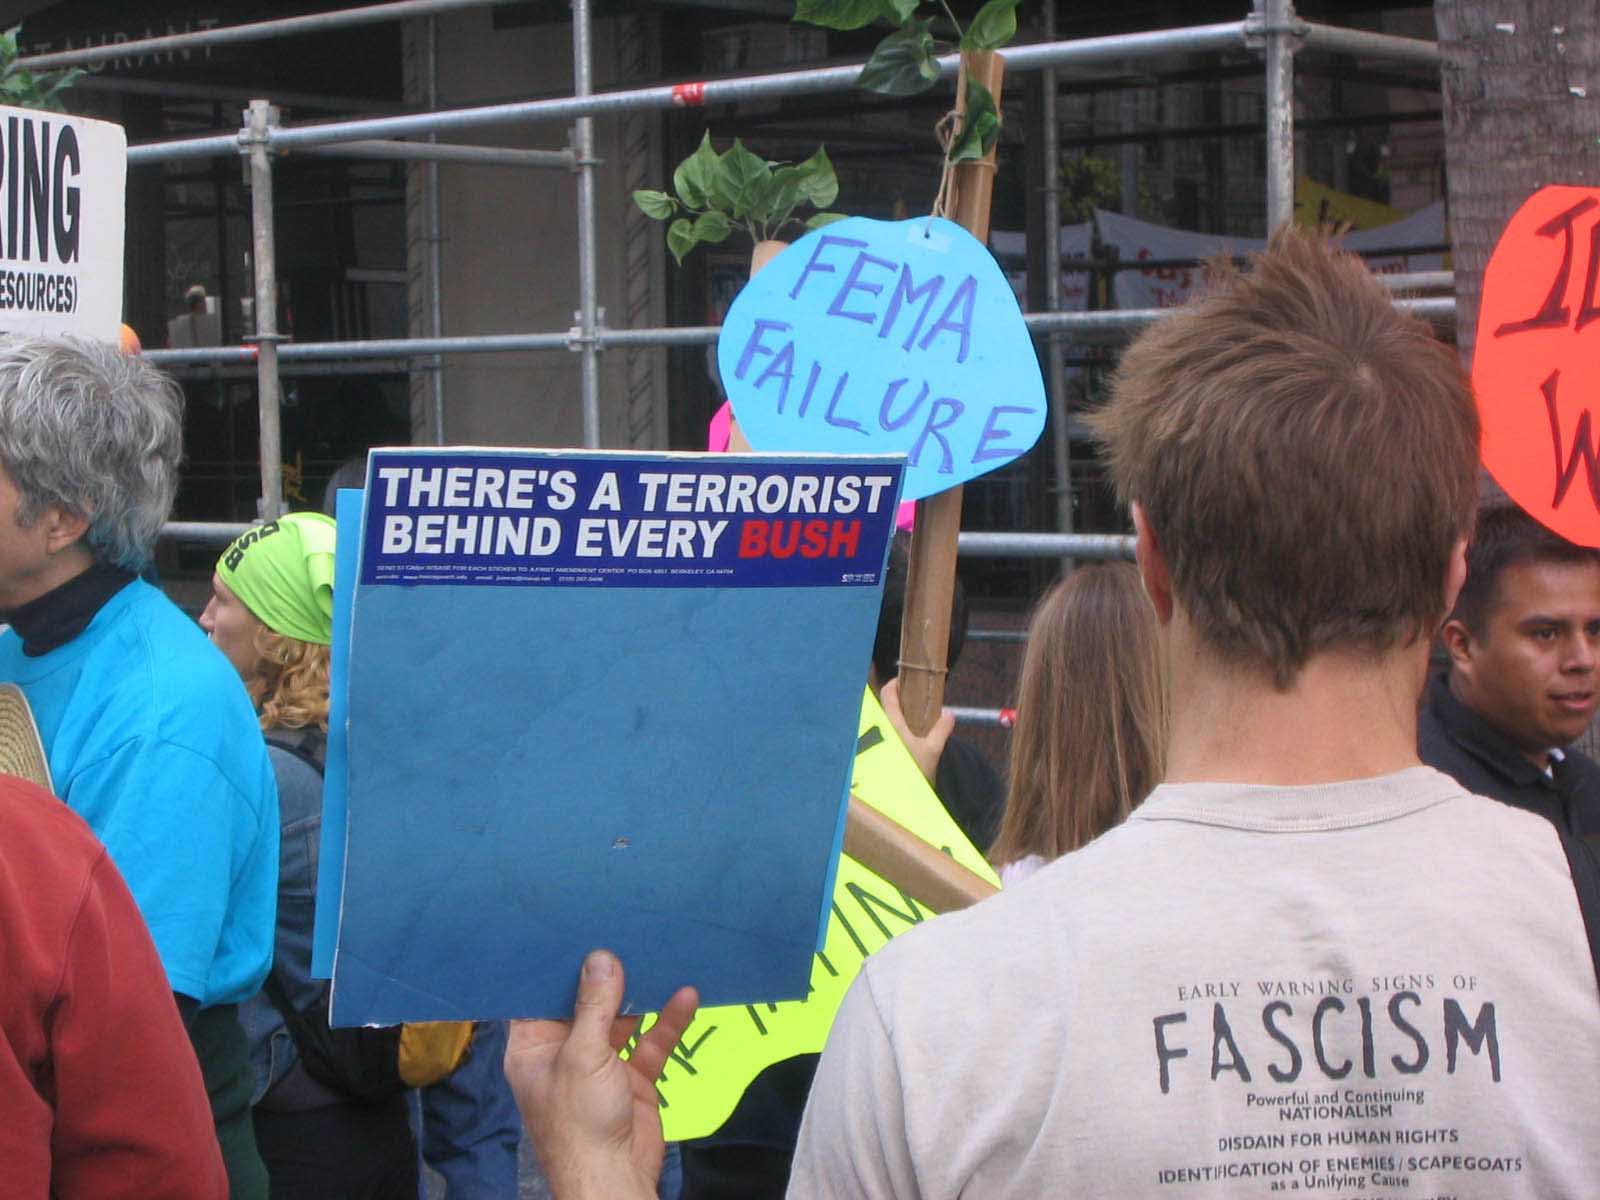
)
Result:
{"points": [[62, 182]]}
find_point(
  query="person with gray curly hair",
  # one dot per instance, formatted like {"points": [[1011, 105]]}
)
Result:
{"points": [[95, 432], [147, 729]]}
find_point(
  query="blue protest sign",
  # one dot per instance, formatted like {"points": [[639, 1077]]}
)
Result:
{"points": [[876, 337], [330, 853], [599, 699]]}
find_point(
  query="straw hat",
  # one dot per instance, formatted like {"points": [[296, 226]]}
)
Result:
{"points": [[21, 751]]}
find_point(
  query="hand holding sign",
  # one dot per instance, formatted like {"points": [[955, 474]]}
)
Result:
{"points": [[1536, 366], [874, 337]]}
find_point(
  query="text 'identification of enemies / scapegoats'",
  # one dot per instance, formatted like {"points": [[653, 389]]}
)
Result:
{"points": [[689, 495]]}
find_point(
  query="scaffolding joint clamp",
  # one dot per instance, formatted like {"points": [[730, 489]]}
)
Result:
{"points": [[1257, 30]]}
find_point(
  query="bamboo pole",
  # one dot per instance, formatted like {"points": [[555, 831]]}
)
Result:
{"points": [[931, 578], [895, 854]]}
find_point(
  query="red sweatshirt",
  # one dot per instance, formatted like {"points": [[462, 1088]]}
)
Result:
{"points": [[100, 1093]]}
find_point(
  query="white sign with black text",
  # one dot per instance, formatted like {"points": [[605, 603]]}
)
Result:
{"points": [[62, 182]]}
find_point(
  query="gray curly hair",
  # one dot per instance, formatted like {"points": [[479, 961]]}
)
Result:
{"points": [[94, 431]]}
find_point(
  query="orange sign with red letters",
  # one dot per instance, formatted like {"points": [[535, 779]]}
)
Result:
{"points": [[1536, 362]]}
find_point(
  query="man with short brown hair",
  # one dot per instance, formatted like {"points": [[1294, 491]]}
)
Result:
{"points": [[1523, 676], [1306, 961]]}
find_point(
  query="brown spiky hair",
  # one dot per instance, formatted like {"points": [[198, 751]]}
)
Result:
{"points": [[1305, 454]]}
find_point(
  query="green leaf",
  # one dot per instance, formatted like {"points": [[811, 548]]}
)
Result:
{"points": [[712, 227], [818, 220], [656, 205], [740, 180], [782, 198], [904, 63], [993, 27], [900, 10], [847, 14], [680, 238], [980, 127], [819, 185], [692, 181]]}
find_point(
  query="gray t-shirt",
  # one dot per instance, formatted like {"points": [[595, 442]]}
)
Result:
{"points": [[1379, 988]]}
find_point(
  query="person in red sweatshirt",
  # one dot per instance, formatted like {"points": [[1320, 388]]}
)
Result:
{"points": [[100, 1091]]}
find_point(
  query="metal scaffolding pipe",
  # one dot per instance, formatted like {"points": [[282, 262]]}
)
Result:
{"points": [[1274, 21], [1119, 47], [1101, 323], [1055, 367], [1332, 40], [975, 545], [435, 243], [1419, 281], [254, 31], [588, 269], [1046, 545], [221, 372], [260, 117], [1229, 35], [217, 532], [681, 335], [981, 716], [437, 152]]}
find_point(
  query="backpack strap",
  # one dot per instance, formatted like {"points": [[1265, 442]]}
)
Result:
{"points": [[1585, 868], [309, 745], [300, 1026]]}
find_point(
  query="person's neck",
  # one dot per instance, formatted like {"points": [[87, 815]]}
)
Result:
{"points": [[1539, 756], [1348, 715], [60, 568]]}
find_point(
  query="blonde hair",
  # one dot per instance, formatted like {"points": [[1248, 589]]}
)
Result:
{"points": [[1090, 739], [289, 685]]}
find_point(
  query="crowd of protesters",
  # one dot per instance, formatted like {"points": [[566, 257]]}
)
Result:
{"points": [[1312, 753]]}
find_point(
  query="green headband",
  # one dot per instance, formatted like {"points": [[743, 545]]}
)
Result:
{"points": [[283, 571]]}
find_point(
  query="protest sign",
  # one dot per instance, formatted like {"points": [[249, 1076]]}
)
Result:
{"points": [[600, 699], [885, 337], [1536, 360], [727, 1047], [335, 800], [62, 181]]}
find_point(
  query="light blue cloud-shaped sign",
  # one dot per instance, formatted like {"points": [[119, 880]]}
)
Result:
{"points": [[870, 337]]}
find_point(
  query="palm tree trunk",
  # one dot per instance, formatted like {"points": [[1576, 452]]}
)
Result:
{"points": [[1521, 110]]}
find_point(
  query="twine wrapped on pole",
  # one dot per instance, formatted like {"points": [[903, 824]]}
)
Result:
{"points": [[930, 583]]}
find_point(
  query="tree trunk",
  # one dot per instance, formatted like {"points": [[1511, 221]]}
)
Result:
{"points": [[1521, 109]]}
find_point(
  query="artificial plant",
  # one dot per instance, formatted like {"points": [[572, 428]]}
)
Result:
{"points": [[713, 194]]}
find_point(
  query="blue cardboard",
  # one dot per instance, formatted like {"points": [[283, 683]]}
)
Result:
{"points": [[885, 337], [330, 850], [600, 699]]}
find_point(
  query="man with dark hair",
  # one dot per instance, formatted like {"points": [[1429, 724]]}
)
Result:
{"points": [[1523, 675], [1306, 962]]}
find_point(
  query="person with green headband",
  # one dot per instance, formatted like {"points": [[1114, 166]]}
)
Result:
{"points": [[271, 615]]}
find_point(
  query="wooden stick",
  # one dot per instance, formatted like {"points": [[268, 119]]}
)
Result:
{"points": [[892, 851], [930, 582]]}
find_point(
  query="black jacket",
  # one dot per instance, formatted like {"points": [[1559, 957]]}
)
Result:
{"points": [[1456, 740]]}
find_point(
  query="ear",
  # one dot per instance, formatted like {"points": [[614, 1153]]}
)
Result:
{"points": [[63, 527], [1455, 574], [1153, 572], [1457, 639]]}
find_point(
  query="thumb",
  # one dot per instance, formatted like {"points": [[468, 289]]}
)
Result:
{"points": [[599, 997]]}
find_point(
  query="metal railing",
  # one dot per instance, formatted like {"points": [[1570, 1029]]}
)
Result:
{"points": [[1271, 29]]}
